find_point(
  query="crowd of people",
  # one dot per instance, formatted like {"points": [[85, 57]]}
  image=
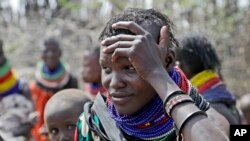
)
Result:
{"points": [[140, 83]]}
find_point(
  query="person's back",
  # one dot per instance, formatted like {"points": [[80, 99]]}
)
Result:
{"points": [[199, 61], [51, 75], [16, 108], [91, 71]]}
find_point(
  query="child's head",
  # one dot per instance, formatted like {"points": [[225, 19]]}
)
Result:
{"points": [[196, 55], [51, 52], [90, 65], [61, 113], [129, 92]]}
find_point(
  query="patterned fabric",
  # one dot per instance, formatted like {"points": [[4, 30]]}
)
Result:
{"points": [[8, 81], [211, 87], [84, 134], [56, 79], [150, 123]]}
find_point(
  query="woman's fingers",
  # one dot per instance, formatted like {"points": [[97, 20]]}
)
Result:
{"points": [[131, 26], [120, 52], [122, 37], [119, 44], [163, 42]]}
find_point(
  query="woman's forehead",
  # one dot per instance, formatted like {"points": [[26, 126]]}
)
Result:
{"points": [[106, 59]]}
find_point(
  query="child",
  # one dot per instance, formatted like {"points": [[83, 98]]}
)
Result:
{"points": [[199, 61], [146, 93], [91, 72], [51, 76], [61, 113]]}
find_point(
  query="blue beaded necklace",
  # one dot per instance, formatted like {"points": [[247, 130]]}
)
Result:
{"points": [[155, 123], [149, 123]]}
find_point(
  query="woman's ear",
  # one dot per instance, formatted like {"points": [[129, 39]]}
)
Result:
{"points": [[170, 59]]}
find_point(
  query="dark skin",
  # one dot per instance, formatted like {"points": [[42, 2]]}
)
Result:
{"points": [[61, 124], [151, 60], [90, 65], [51, 56], [60, 121]]}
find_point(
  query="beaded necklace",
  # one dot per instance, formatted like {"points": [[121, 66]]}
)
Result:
{"points": [[56, 79], [211, 87], [9, 83], [149, 123]]}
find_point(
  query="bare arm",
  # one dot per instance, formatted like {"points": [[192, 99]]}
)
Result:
{"points": [[143, 52], [212, 128]]}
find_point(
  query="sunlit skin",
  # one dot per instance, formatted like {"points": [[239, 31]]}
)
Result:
{"points": [[51, 55], [90, 65]]}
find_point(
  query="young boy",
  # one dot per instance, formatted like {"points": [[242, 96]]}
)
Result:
{"points": [[200, 63], [51, 76], [146, 93], [91, 71], [61, 114]]}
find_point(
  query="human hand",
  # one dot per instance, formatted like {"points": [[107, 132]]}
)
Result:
{"points": [[141, 49]]}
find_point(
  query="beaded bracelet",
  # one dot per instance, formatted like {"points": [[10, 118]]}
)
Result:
{"points": [[184, 122], [171, 95], [176, 101]]}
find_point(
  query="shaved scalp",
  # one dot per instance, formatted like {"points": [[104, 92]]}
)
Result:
{"points": [[66, 99]]}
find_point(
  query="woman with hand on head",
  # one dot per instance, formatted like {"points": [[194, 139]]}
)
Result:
{"points": [[149, 98]]}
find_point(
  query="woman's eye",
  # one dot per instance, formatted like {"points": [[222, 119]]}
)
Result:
{"points": [[71, 127], [54, 131], [130, 68], [106, 69]]}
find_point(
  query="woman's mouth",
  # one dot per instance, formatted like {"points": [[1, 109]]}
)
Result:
{"points": [[120, 98]]}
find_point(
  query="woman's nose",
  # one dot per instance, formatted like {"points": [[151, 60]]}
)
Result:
{"points": [[116, 81]]}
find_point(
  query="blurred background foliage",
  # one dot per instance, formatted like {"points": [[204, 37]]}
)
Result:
{"points": [[77, 24]]}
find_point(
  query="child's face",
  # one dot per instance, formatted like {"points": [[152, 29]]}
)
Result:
{"points": [[90, 66], [61, 124], [51, 55]]}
